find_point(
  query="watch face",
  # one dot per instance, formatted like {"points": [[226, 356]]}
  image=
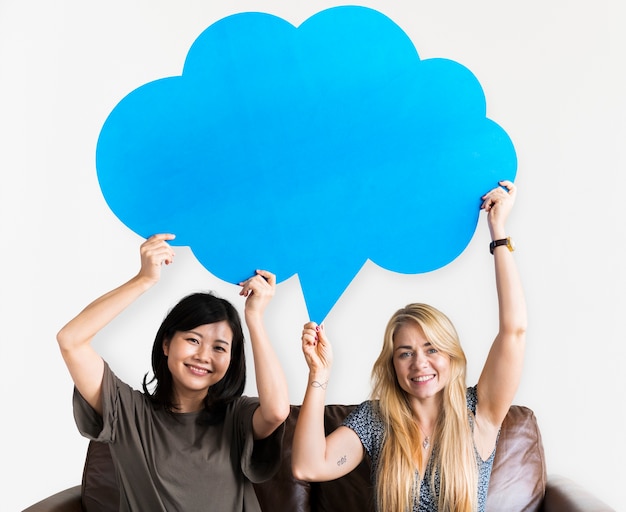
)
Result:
{"points": [[510, 244]]}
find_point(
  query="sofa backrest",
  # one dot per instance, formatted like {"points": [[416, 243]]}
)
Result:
{"points": [[517, 482]]}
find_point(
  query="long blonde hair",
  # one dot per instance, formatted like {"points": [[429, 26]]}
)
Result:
{"points": [[454, 456]]}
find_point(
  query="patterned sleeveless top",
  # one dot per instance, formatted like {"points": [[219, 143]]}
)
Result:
{"points": [[369, 427]]}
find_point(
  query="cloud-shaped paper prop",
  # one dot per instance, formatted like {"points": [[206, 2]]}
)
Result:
{"points": [[306, 150]]}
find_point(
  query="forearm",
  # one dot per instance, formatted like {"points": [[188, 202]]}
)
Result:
{"points": [[82, 328], [309, 439], [511, 300], [270, 378]]}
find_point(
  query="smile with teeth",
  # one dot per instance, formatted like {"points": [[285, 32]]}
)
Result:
{"points": [[197, 370], [423, 378]]}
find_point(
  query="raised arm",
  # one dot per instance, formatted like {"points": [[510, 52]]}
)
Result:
{"points": [[501, 374], [315, 456], [270, 379], [84, 363]]}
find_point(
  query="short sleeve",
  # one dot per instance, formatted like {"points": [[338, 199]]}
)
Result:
{"points": [[261, 458], [90, 424], [364, 421]]}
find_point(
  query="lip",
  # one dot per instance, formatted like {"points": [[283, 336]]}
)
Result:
{"points": [[198, 371], [421, 380]]}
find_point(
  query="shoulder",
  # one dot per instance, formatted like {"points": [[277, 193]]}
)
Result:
{"points": [[244, 402], [242, 408], [119, 391], [121, 407], [364, 418], [365, 409], [367, 424]]}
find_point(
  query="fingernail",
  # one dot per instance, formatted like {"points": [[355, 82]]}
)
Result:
{"points": [[317, 328]]}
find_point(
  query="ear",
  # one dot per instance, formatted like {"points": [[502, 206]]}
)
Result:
{"points": [[166, 347]]}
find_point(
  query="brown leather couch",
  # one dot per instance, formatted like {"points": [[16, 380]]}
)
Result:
{"points": [[518, 483]]}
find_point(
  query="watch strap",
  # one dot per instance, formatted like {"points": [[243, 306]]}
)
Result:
{"points": [[497, 243]]}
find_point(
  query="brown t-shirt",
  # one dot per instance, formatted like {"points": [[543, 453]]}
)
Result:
{"points": [[170, 462]]}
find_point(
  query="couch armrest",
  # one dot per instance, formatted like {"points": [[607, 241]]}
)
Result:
{"points": [[565, 495], [64, 501]]}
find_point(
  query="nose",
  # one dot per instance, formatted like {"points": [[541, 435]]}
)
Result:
{"points": [[419, 360], [203, 353]]}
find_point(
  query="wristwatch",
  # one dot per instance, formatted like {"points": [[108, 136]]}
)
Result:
{"points": [[503, 241]]}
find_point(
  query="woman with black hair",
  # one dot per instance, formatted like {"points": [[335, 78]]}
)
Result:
{"points": [[194, 442]]}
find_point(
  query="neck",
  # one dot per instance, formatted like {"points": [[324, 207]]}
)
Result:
{"points": [[426, 414], [186, 404]]}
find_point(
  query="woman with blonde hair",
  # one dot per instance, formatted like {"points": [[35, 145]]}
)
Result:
{"points": [[431, 439]]}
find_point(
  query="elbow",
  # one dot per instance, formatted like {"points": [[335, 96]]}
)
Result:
{"points": [[280, 410], [297, 472], [517, 339], [267, 419], [69, 341], [520, 331], [306, 475], [300, 472], [277, 414], [64, 340], [281, 413], [515, 330], [305, 466]]}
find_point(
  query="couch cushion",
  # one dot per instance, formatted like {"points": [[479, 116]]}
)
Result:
{"points": [[517, 482], [99, 486], [283, 491], [353, 491]]}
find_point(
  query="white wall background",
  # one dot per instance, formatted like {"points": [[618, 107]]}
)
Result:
{"points": [[553, 74]]}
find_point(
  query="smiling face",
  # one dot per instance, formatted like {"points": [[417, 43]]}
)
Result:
{"points": [[422, 371], [198, 359]]}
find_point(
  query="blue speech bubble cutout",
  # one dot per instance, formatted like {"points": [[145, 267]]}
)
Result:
{"points": [[306, 150]]}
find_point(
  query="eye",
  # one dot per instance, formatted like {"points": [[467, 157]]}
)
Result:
{"points": [[193, 341], [432, 351], [219, 348], [405, 355]]}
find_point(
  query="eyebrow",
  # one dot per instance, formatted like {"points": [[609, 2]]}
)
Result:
{"points": [[196, 333], [410, 347]]}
